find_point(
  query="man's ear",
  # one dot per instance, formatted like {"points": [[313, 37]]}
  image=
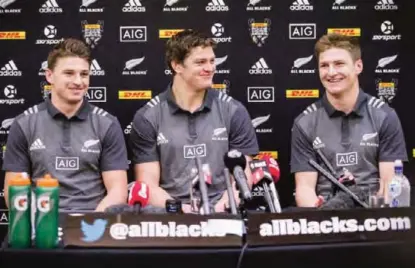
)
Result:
{"points": [[49, 75], [358, 66], [177, 67]]}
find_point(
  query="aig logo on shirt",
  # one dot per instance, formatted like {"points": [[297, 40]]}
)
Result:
{"points": [[67, 163], [191, 151], [346, 159]]}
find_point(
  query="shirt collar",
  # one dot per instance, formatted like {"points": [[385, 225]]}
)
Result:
{"points": [[81, 114], [174, 108], [357, 110]]}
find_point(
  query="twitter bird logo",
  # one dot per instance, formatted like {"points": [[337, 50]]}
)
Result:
{"points": [[93, 232]]}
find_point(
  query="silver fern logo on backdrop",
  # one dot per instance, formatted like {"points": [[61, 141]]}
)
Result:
{"points": [[384, 63], [341, 5], [6, 3], [171, 6], [257, 5], [259, 31], [92, 32], [85, 7], [299, 63], [130, 67]]}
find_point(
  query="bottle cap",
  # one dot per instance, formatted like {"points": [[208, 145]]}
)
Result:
{"points": [[19, 180], [47, 181]]}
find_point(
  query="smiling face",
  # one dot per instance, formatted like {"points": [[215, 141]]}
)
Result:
{"points": [[69, 79], [198, 68], [338, 71]]}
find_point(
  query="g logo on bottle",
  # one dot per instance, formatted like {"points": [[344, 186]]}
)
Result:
{"points": [[43, 203], [20, 202]]}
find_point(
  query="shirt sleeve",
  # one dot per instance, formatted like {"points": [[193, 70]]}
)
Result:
{"points": [[301, 151], [143, 140], [114, 152], [16, 155], [242, 134], [391, 139]]}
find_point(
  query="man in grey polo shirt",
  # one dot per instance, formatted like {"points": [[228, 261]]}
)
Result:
{"points": [[79, 144], [353, 130], [189, 119]]}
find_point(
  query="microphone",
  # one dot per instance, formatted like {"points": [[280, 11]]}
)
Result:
{"points": [[235, 161], [340, 185], [203, 188], [138, 196], [232, 202], [260, 174], [274, 170]]}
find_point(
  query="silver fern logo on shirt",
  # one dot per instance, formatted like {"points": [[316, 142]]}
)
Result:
{"points": [[220, 134], [91, 146]]}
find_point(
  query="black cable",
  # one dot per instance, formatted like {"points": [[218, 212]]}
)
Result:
{"points": [[241, 255]]}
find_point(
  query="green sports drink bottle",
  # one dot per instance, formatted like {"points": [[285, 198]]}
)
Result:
{"points": [[20, 228], [47, 212]]}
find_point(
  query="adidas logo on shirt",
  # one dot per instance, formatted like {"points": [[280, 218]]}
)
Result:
{"points": [[161, 139], [217, 5], [133, 6], [10, 70], [37, 145], [50, 6], [386, 5], [317, 144], [301, 5], [260, 68], [96, 69]]}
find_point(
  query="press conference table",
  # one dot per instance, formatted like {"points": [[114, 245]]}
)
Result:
{"points": [[379, 254]]}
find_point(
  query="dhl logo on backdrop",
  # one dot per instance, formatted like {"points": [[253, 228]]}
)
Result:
{"points": [[17, 35], [134, 94], [302, 93], [167, 33], [386, 84], [47, 87], [219, 86], [92, 26], [344, 31], [271, 154]]}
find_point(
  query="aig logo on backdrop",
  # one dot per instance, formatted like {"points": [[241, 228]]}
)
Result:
{"points": [[133, 33], [302, 30], [96, 94], [67, 163], [193, 151], [260, 94]]}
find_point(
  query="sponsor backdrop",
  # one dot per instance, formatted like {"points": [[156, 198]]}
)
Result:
{"points": [[264, 57]]}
